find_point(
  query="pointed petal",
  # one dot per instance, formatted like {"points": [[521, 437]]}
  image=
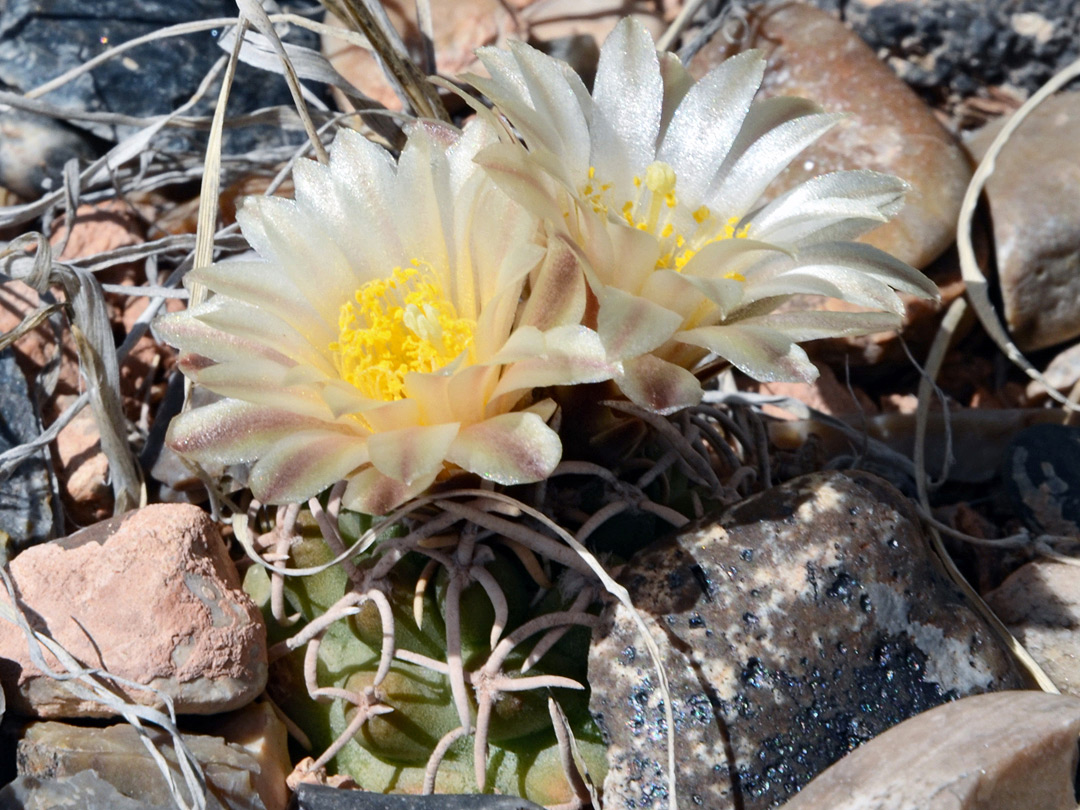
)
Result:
{"points": [[557, 290], [630, 325], [657, 385], [513, 448], [763, 353], [411, 454], [303, 464], [704, 126], [629, 96], [566, 355], [372, 493]]}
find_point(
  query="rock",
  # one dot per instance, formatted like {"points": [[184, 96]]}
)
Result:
{"points": [[85, 790], [83, 471], [1041, 472], [1040, 604], [96, 229], [34, 150], [1036, 215], [889, 129], [985, 51], [40, 39], [35, 349], [151, 596], [803, 623], [51, 750], [26, 515], [826, 394], [1062, 373], [257, 729], [1006, 751]]}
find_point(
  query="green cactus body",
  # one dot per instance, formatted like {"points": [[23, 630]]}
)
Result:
{"points": [[391, 750]]}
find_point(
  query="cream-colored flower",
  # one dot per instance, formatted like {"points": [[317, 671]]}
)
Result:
{"points": [[380, 336], [656, 181]]}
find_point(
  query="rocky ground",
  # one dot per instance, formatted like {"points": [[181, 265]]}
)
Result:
{"points": [[820, 645]]}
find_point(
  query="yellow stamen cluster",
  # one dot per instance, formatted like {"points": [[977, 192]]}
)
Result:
{"points": [[396, 325], [660, 181]]}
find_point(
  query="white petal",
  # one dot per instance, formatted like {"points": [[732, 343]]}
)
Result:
{"points": [[706, 123], [371, 492], [513, 448], [629, 96], [303, 464], [658, 385], [630, 325], [763, 353], [411, 454]]}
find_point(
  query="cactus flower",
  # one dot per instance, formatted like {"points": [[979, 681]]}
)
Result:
{"points": [[657, 182], [378, 337]]}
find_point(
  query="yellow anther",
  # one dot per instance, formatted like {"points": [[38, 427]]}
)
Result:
{"points": [[637, 181], [592, 172], [735, 276], [668, 230], [398, 325], [702, 214]]}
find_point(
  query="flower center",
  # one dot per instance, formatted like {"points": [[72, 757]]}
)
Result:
{"points": [[656, 210], [396, 325]]}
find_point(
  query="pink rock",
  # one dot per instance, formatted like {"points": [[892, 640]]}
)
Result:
{"points": [[98, 228], [151, 596], [83, 471]]}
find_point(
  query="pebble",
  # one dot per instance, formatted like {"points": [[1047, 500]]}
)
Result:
{"points": [[150, 596], [1036, 214], [26, 508], [1062, 373], [237, 779], [889, 129], [1004, 751], [802, 623], [34, 150], [85, 790], [1040, 604]]}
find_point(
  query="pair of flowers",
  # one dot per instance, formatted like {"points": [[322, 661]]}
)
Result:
{"points": [[403, 315]]}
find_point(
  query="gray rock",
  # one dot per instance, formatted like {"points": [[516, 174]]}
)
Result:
{"points": [[1041, 473], [34, 150], [1006, 751], [1040, 604], [85, 790], [323, 797], [26, 499], [51, 750], [1036, 215], [40, 39], [803, 623], [150, 596]]}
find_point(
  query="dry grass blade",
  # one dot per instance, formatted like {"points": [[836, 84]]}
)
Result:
{"points": [[978, 291], [415, 89]]}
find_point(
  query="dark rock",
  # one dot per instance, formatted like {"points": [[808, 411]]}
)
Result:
{"points": [[1042, 477], [960, 47], [40, 39], [803, 623], [322, 797], [35, 150], [26, 495]]}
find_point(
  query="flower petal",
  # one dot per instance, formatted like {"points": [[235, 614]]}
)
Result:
{"points": [[411, 454], [565, 355], [513, 448], [657, 385], [371, 492], [630, 325], [304, 463], [764, 353], [557, 289]]}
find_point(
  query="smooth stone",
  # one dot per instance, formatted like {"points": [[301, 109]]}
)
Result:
{"points": [[804, 622], [34, 150], [1005, 751], [52, 750], [323, 797], [26, 515], [1041, 473], [1062, 373], [150, 596], [889, 128], [1036, 215], [84, 790], [1040, 604]]}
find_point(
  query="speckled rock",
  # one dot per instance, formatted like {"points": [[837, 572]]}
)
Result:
{"points": [[1006, 751], [235, 777], [889, 129], [150, 596], [1036, 215], [1040, 604], [803, 623]]}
